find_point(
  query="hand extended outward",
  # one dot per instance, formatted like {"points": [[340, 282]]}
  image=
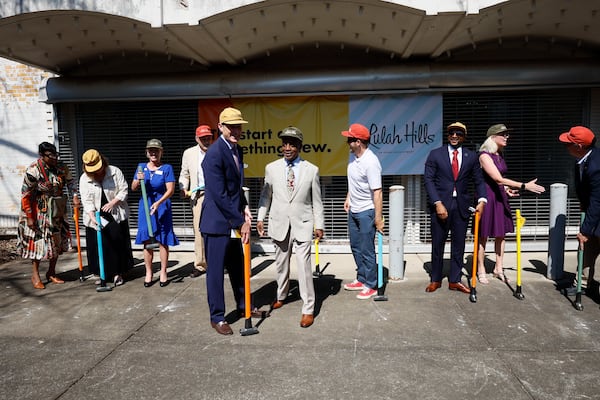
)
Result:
{"points": [[533, 187]]}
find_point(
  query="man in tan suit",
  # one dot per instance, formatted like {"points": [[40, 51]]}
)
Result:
{"points": [[292, 196], [191, 184]]}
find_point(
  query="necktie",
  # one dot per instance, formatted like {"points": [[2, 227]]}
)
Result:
{"points": [[455, 164], [290, 178], [235, 157]]}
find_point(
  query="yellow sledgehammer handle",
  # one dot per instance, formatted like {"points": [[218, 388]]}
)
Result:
{"points": [[520, 223]]}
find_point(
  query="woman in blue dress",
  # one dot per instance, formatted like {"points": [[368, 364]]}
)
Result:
{"points": [[159, 181]]}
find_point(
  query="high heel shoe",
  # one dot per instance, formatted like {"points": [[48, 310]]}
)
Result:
{"points": [[118, 280], [501, 276], [37, 284], [53, 278], [483, 279], [163, 284], [148, 284]]}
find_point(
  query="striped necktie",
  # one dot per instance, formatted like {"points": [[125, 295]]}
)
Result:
{"points": [[290, 178]]}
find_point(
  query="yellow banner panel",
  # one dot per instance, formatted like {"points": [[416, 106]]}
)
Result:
{"points": [[321, 119]]}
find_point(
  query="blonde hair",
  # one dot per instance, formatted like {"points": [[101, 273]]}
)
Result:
{"points": [[489, 145]]}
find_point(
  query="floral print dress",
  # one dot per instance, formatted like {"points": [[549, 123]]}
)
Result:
{"points": [[51, 236]]}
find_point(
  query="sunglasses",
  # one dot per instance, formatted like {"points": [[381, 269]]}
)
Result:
{"points": [[457, 133], [50, 155], [352, 140], [505, 135]]}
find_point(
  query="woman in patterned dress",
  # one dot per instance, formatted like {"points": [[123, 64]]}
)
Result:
{"points": [[159, 181], [43, 231], [496, 219]]}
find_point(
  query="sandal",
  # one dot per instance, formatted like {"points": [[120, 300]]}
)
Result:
{"points": [[483, 279], [501, 277]]}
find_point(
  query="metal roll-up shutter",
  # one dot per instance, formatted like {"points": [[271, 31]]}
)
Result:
{"points": [[119, 130], [537, 117]]}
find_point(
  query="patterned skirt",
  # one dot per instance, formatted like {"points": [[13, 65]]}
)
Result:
{"points": [[45, 242]]}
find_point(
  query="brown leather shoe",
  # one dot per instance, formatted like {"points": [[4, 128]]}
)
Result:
{"points": [[222, 327], [277, 304], [54, 279], [433, 286], [306, 320], [37, 284], [459, 286]]}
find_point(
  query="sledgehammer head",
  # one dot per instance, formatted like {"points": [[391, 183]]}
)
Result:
{"points": [[380, 296], [248, 330], [518, 293], [473, 296], [153, 245]]}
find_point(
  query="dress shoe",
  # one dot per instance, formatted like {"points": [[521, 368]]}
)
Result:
{"points": [[433, 286], [306, 320], [37, 284], [196, 272], [222, 327], [277, 304], [53, 278], [458, 286]]}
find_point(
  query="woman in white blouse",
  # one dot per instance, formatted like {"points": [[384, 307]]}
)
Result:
{"points": [[104, 188]]}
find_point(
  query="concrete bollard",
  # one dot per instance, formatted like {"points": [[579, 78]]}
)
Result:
{"points": [[396, 230], [556, 237]]}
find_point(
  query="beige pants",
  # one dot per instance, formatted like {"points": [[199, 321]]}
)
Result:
{"points": [[283, 253], [200, 259]]}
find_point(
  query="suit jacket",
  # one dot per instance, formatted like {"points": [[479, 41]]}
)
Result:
{"points": [[224, 200], [588, 192], [302, 210], [439, 181], [188, 178]]}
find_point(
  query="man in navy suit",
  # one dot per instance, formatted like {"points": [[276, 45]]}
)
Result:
{"points": [[448, 172], [581, 144], [227, 219]]}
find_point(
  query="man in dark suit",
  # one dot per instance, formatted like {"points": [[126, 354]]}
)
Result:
{"points": [[449, 170], [581, 144], [228, 219]]}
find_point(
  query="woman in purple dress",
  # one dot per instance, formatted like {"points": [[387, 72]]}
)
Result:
{"points": [[496, 220], [159, 181]]}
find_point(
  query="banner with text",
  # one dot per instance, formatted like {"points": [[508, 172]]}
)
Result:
{"points": [[403, 129], [320, 118]]}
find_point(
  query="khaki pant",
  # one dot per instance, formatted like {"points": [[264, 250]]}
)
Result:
{"points": [[283, 253], [200, 259]]}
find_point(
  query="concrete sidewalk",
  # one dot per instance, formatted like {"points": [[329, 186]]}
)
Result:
{"points": [[70, 342]]}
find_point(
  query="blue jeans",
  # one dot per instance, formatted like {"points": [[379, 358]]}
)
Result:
{"points": [[361, 227]]}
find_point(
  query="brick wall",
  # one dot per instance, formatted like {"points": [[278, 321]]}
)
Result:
{"points": [[24, 123]]}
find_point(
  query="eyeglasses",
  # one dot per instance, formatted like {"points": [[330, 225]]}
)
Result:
{"points": [[457, 133], [50, 155], [352, 140]]}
